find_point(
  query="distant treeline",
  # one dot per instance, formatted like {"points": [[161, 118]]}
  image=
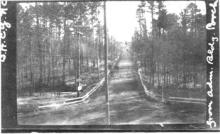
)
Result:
{"points": [[173, 52]]}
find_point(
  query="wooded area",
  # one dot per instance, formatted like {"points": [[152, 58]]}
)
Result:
{"points": [[173, 53], [72, 69], [60, 44]]}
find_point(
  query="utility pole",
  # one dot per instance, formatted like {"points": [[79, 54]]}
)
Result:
{"points": [[78, 64], [78, 34], [106, 64]]}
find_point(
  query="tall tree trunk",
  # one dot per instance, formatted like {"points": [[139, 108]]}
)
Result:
{"points": [[64, 51], [158, 74], [81, 59], [98, 48], [164, 75], [22, 77], [30, 66], [152, 45], [39, 46]]}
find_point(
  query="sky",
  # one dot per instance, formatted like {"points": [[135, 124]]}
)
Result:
{"points": [[121, 16]]}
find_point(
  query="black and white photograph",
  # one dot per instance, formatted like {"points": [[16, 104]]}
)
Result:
{"points": [[113, 63]]}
